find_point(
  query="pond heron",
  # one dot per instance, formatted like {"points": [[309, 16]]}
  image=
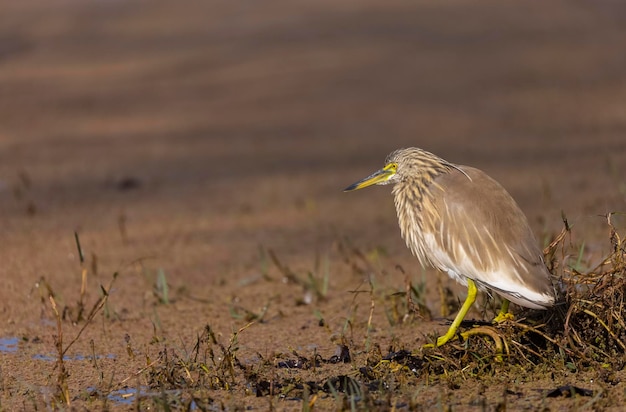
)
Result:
{"points": [[462, 222]]}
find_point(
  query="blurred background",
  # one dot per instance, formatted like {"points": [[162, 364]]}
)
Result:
{"points": [[196, 131]]}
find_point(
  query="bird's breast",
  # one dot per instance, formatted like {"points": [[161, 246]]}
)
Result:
{"points": [[413, 207]]}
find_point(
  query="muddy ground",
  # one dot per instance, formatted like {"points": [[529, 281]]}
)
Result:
{"points": [[200, 149]]}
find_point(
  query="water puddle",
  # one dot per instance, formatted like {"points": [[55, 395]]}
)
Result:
{"points": [[128, 396], [8, 345], [125, 396], [11, 345], [52, 357]]}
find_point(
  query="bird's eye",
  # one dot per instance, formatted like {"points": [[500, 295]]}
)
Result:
{"points": [[392, 167]]}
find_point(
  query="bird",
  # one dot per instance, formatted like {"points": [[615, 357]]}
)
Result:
{"points": [[461, 221]]}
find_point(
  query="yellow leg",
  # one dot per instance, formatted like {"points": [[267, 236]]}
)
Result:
{"points": [[504, 313], [469, 301]]}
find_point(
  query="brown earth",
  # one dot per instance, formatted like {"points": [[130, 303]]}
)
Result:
{"points": [[194, 137]]}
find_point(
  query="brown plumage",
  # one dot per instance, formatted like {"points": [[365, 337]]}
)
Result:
{"points": [[460, 221]]}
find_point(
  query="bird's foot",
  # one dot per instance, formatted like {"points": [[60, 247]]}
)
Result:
{"points": [[504, 313], [493, 334], [442, 340], [503, 317], [489, 331]]}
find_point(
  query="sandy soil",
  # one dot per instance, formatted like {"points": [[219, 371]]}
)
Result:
{"points": [[193, 139]]}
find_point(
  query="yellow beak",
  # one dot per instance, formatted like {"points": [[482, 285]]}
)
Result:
{"points": [[380, 176]]}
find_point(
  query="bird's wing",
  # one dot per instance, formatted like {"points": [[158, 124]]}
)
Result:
{"points": [[478, 231]]}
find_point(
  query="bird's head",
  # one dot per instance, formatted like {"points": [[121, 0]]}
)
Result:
{"points": [[400, 165]]}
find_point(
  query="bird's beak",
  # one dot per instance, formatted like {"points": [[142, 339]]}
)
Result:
{"points": [[380, 176]]}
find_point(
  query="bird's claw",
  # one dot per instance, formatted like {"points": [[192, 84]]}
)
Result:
{"points": [[441, 340], [493, 334], [503, 317], [479, 330]]}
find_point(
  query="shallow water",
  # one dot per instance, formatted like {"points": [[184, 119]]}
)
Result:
{"points": [[53, 357], [9, 344]]}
